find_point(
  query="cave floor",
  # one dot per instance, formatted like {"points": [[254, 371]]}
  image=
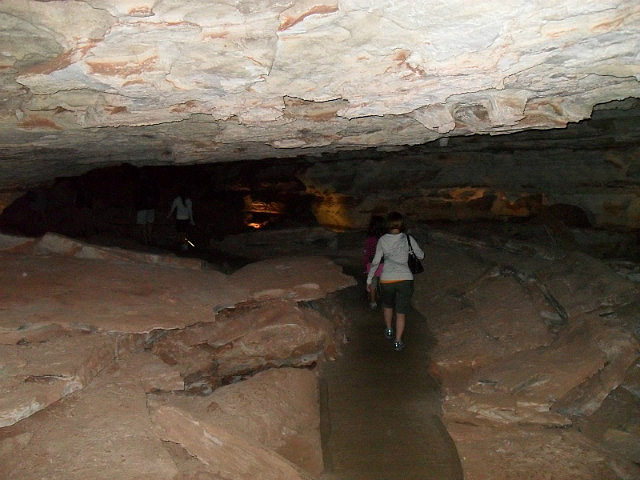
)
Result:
{"points": [[380, 408]]}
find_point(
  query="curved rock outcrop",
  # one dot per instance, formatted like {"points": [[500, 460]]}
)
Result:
{"points": [[157, 83]]}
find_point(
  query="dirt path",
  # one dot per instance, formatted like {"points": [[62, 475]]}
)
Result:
{"points": [[380, 407]]}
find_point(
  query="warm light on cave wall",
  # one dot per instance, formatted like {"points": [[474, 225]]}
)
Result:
{"points": [[332, 210], [511, 206], [466, 194], [7, 198], [269, 209], [504, 205], [258, 206]]}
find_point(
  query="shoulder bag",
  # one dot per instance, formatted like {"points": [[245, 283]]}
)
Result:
{"points": [[415, 265]]}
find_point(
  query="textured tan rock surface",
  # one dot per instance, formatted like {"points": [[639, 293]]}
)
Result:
{"points": [[251, 337], [558, 350], [161, 83], [81, 342], [535, 454], [102, 432], [280, 278], [80, 290], [34, 377], [531, 342], [107, 296], [227, 454], [278, 408]]}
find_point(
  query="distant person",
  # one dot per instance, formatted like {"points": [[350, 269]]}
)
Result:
{"points": [[396, 280], [145, 211], [183, 208], [377, 228]]}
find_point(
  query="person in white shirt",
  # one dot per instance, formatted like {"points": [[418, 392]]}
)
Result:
{"points": [[183, 208], [396, 280]]}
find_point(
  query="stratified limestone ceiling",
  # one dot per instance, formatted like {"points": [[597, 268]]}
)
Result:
{"points": [[88, 83]]}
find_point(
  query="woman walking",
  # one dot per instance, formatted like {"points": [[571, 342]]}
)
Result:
{"points": [[396, 280], [183, 207]]}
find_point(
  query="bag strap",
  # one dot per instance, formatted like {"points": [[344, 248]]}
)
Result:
{"points": [[409, 242]]}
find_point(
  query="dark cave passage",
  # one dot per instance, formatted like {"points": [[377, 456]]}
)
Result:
{"points": [[244, 197], [227, 198]]}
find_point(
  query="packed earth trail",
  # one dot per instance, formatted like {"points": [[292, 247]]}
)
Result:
{"points": [[380, 408]]}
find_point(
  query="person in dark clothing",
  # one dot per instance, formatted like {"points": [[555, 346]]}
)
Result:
{"points": [[377, 228]]}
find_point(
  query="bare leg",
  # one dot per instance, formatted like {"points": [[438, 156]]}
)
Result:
{"points": [[388, 316], [400, 321]]}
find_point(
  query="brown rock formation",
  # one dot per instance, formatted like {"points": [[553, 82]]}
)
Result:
{"points": [[210, 82]]}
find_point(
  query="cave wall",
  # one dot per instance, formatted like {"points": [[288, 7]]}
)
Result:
{"points": [[454, 186], [585, 176], [592, 189]]}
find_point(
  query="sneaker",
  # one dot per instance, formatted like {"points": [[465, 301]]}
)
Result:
{"points": [[373, 305], [388, 334], [398, 345]]}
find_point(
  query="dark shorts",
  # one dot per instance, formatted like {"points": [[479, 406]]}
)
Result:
{"points": [[181, 226], [144, 217], [397, 295]]}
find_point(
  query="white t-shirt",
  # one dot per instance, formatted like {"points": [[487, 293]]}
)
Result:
{"points": [[183, 209], [395, 250]]}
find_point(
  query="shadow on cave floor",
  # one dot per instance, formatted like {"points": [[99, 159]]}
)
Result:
{"points": [[381, 408]]}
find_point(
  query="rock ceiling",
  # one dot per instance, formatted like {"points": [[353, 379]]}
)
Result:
{"points": [[90, 83]]}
